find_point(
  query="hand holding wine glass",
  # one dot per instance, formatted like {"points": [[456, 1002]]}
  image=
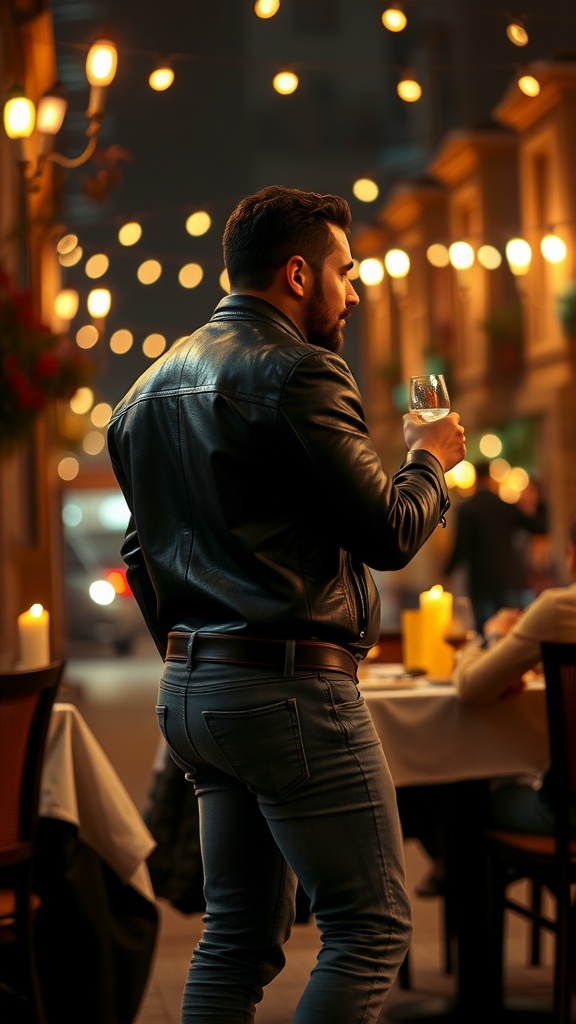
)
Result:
{"points": [[429, 397]]}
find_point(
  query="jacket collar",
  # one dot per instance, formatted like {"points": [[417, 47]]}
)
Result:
{"points": [[249, 307]]}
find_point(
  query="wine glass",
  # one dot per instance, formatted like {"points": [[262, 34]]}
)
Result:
{"points": [[429, 397], [461, 626]]}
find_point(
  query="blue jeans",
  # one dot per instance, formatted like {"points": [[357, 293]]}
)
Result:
{"points": [[292, 783]]}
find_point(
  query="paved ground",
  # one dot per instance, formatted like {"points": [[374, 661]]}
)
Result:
{"points": [[117, 698]]}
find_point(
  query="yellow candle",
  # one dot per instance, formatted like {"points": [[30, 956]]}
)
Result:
{"points": [[34, 637], [411, 628], [436, 614]]}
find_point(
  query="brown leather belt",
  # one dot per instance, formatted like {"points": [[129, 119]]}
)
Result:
{"points": [[288, 656]]}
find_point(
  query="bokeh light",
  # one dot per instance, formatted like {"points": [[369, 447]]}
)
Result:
{"points": [[130, 233], [198, 223]]}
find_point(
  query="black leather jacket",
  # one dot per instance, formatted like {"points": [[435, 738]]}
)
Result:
{"points": [[256, 494]]}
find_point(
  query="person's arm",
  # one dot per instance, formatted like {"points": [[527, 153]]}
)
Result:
{"points": [[483, 675], [141, 586], [381, 519]]}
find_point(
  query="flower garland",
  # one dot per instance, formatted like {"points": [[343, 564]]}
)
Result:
{"points": [[37, 367]]}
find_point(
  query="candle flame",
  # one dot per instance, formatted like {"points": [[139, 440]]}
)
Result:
{"points": [[436, 591], [36, 611]]}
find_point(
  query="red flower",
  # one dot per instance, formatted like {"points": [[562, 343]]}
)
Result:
{"points": [[47, 366]]}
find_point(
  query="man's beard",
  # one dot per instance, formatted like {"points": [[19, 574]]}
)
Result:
{"points": [[320, 330]]}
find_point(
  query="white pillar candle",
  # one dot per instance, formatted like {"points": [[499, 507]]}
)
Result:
{"points": [[34, 637], [436, 614]]}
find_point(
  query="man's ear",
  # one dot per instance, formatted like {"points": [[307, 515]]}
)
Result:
{"points": [[296, 274]]}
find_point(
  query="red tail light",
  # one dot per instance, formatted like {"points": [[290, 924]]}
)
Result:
{"points": [[118, 579]]}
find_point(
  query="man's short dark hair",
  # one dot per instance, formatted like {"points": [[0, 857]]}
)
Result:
{"points": [[272, 225]]}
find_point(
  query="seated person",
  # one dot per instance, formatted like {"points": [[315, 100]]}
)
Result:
{"points": [[483, 675]]}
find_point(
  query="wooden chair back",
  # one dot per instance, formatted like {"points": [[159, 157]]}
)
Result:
{"points": [[26, 700]]}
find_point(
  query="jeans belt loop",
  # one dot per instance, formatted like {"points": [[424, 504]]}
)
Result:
{"points": [[190, 651], [289, 655]]}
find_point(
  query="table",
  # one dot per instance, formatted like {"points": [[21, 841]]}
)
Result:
{"points": [[428, 737], [93, 880]]}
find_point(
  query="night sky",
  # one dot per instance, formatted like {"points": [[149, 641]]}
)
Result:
{"points": [[221, 131]]}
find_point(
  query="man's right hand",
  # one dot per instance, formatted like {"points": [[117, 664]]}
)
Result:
{"points": [[443, 438]]}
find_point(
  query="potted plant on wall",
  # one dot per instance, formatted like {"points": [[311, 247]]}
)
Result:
{"points": [[37, 366]]}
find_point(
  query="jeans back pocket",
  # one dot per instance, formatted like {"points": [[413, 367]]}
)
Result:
{"points": [[263, 746]]}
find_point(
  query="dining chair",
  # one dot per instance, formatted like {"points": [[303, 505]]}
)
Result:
{"points": [[547, 861], [26, 699]]}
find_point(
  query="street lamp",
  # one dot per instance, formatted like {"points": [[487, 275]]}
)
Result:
{"points": [[21, 117]]}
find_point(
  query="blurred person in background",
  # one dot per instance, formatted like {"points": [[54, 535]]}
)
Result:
{"points": [[488, 545]]}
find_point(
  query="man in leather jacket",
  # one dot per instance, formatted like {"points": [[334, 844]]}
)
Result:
{"points": [[257, 502]]}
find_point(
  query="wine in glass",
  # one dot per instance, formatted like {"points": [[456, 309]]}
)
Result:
{"points": [[461, 626], [429, 397]]}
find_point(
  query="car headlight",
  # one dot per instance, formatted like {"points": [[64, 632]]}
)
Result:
{"points": [[102, 592]]}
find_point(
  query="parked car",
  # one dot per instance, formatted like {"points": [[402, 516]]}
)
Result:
{"points": [[100, 607]]}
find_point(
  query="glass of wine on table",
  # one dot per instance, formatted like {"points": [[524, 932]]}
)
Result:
{"points": [[460, 629]]}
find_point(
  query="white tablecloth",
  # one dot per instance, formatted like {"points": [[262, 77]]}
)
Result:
{"points": [[429, 736], [80, 785]]}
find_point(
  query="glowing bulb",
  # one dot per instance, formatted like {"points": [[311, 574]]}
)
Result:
{"points": [[371, 271], [519, 256], [365, 190], [66, 304], [99, 302], [266, 8], [198, 223], [489, 257], [161, 78], [529, 85], [19, 117], [516, 33], [461, 255], [437, 254], [130, 233], [285, 82], [553, 249], [101, 62], [397, 262], [409, 90], [394, 19]]}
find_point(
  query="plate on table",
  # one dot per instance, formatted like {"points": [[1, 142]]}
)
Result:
{"points": [[386, 677]]}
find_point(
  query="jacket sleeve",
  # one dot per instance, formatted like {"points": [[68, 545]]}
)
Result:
{"points": [[381, 519], [141, 586]]}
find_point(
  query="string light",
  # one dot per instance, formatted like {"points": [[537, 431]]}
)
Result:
{"points": [[98, 302], [519, 256], [553, 249], [130, 233], [408, 88], [489, 257], [394, 19], [66, 303], [371, 271], [162, 77], [517, 34], [365, 190], [529, 85], [461, 255], [285, 82], [397, 263], [266, 8]]}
